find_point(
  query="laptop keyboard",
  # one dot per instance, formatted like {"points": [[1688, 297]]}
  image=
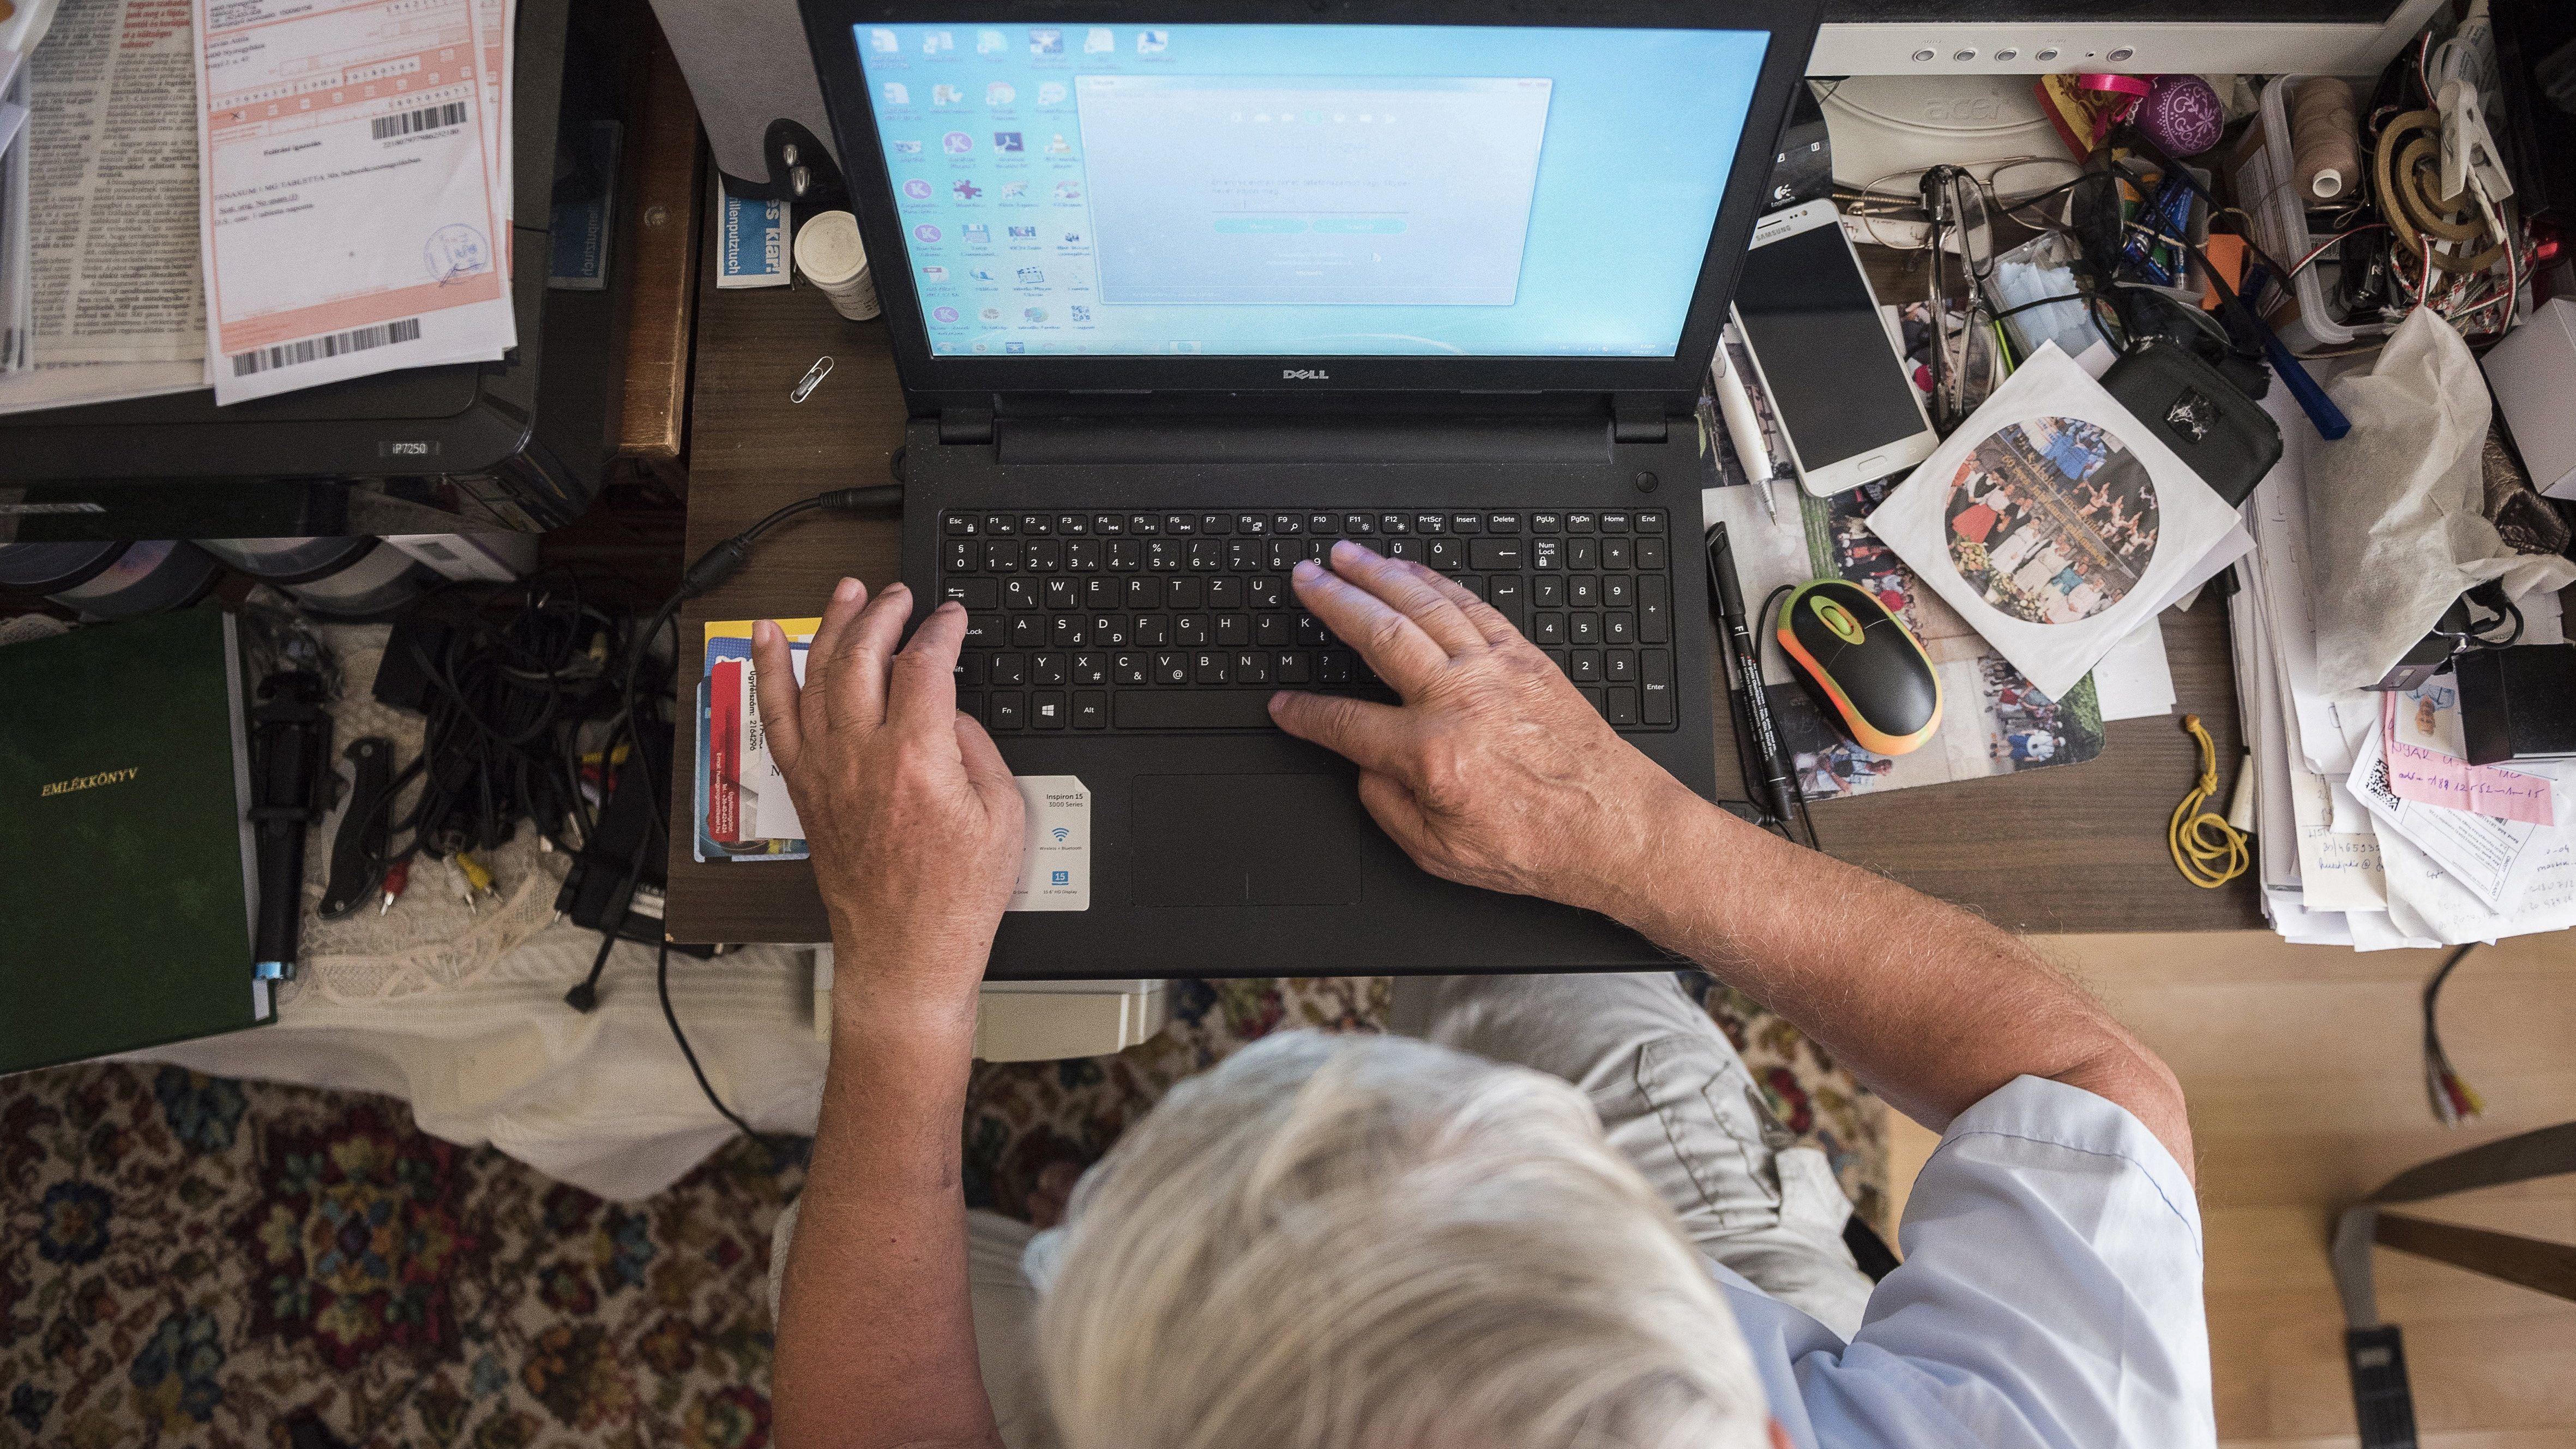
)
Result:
{"points": [[1083, 620]]}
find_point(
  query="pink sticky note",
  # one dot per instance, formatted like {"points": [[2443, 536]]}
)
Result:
{"points": [[2433, 778]]}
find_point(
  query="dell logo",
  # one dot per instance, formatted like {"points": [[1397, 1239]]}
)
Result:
{"points": [[1306, 374]]}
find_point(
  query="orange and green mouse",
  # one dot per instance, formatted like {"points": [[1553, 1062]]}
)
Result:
{"points": [[1859, 662]]}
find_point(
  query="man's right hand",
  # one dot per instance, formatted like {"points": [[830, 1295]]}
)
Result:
{"points": [[1494, 772]]}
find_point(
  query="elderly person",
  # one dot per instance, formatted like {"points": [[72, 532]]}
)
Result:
{"points": [[1560, 1219]]}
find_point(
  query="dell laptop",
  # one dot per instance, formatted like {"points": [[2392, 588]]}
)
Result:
{"points": [[1182, 294]]}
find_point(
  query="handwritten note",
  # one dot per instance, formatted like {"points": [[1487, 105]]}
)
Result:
{"points": [[2433, 777], [2493, 859]]}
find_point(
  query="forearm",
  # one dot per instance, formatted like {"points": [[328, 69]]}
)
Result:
{"points": [[1929, 1006], [876, 1341]]}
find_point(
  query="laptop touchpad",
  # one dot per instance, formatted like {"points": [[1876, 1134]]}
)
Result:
{"points": [[1246, 840]]}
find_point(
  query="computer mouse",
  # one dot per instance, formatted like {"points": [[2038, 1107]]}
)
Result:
{"points": [[1862, 665]]}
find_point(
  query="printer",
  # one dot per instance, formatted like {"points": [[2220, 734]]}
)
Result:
{"points": [[511, 446]]}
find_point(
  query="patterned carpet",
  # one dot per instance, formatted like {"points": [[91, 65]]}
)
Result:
{"points": [[190, 1261]]}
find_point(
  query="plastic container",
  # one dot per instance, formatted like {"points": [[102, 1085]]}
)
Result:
{"points": [[2281, 225], [832, 257]]}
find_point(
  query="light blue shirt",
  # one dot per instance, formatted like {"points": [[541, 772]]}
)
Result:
{"points": [[2050, 1296]]}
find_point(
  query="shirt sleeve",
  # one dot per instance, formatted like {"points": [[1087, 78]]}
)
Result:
{"points": [[2050, 1296]]}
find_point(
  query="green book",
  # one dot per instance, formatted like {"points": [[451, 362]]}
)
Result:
{"points": [[127, 873]]}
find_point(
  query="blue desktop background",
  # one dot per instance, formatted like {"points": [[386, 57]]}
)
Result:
{"points": [[1589, 247]]}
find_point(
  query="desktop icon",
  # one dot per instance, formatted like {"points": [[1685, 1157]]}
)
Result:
{"points": [[944, 94], [938, 42], [1006, 140], [925, 233], [1024, 233], [991, 314], [1015, 347], [896, 95], [1099, 41], [1073, 238], [956, 143], [1057, 145], [1046, 42], [1032, 276], [1033, 314], [907, 148], [990, 42], [964, 190], [983, 347], [943, 314], [883, 42], [917, 189], [999, 93], [1080, 312], [1067, 191], [934, 275], [1011, 189], [1153, 42], [1050, 93], [981, 274], [975, 232]]}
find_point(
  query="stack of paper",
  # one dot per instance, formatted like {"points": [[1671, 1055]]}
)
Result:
{"points": [[337, 179], [356, 189], [2370, 830]]}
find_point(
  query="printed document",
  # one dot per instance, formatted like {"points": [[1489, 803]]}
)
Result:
{"points": [[350, 222]]}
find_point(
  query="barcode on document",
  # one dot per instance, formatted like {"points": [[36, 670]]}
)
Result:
{"points": [[336, 344], [427, 118]]}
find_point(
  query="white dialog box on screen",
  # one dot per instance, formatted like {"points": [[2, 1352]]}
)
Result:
{"points": [[1399, 192]]}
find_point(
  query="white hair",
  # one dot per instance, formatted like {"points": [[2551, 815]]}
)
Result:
{"points": [[1363, 1242]]}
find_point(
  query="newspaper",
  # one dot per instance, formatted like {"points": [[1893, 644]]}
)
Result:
{"points": [[112, 187], [98, 210], [352, 219]]}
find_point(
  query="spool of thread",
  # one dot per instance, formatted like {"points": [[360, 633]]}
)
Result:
{"points": [[2325, 146]]}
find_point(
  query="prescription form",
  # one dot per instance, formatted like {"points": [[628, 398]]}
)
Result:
{"points": [[353, 221]]}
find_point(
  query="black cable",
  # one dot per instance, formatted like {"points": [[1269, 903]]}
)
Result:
{"points": [[709, 569], [662, 987], [2451, 1097]]}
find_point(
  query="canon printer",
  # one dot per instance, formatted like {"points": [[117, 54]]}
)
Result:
{"points": [[515, 445]]}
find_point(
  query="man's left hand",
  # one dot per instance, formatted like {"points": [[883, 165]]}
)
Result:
{"points": [[909, 810]]}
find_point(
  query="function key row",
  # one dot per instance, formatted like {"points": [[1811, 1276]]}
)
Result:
{"points": [[1340, 523]]}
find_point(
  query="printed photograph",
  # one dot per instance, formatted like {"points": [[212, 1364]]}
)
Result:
{"points": [[1995, 722], [2052, 520]]}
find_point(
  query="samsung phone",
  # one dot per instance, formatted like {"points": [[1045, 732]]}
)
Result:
{"points": [[1845, 400]]}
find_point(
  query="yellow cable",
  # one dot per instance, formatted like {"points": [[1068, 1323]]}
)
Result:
{"points": [[2206, 849]]}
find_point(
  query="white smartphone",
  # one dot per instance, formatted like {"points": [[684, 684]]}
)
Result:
{"points": [[1845, 400]]}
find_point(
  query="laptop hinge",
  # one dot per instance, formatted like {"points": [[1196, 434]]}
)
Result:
{"points": [[966, 425], [1638, 420]]}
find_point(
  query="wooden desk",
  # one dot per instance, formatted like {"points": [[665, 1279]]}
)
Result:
{"points": [[2072, 849]]}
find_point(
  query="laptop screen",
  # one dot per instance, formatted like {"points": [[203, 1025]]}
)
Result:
{"points": [[1307, 190]]}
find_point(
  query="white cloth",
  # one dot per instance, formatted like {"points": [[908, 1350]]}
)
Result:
{"points": [[2396, 508], [602, 1101]]}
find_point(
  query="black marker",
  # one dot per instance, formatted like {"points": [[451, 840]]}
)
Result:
{"points": [[1729, 599]]}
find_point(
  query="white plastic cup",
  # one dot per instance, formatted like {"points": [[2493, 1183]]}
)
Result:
{"points": [[830, 254]]}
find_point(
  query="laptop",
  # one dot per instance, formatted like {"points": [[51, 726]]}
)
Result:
{"points": [[1183, 294]]}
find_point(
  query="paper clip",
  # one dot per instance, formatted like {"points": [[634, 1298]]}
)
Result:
{"points": [[812, 379]]}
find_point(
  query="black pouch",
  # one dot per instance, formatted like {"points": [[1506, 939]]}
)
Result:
{"points": [[2224, 435]]}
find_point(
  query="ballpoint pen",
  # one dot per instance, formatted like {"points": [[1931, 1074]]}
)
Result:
{"points": [[1729, 599]]}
